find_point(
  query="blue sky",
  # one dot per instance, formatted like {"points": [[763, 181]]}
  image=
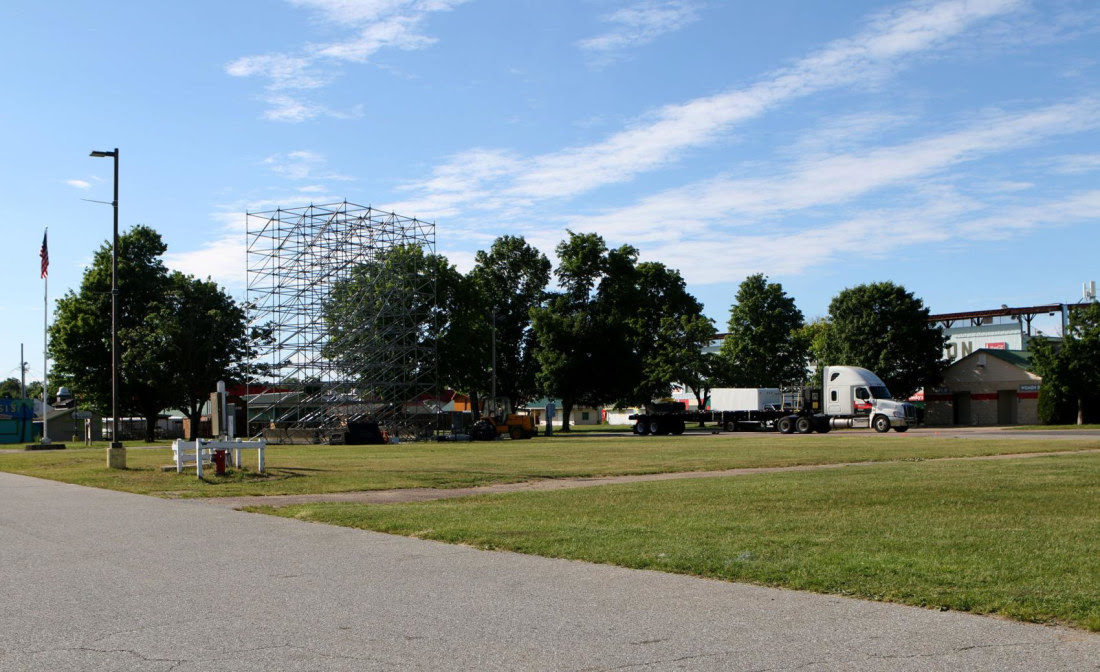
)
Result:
{"points": [[950, 146]]}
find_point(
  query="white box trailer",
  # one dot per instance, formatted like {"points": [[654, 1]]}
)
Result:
{"points": [[744, 398]]}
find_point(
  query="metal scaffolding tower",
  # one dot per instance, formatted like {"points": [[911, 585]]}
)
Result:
{"points": [[339, 298]]}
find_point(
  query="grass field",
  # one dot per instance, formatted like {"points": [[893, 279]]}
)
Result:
{"points": [[1015, 537], [322, 469], [1019, 538]]}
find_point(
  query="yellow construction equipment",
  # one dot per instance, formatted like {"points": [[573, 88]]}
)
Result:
{"points": [[498, 419]]}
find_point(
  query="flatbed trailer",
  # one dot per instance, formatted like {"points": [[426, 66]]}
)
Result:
{"points": [[662, 422]]}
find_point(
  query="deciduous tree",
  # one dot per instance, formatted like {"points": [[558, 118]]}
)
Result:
{"points": [[510, 280], [884, 328], [177, 335], [80, 335], [765, 345], [619, 331], [1070, 389], [576, 349]]}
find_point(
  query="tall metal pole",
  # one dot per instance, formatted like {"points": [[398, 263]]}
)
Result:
{"points": [[116, 454], [45, 356], [115, 443]]}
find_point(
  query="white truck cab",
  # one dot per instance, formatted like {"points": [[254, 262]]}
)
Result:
{"points": [[854, 396]]}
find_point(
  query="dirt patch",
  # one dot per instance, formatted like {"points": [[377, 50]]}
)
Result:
{"points": [[428, 494]]}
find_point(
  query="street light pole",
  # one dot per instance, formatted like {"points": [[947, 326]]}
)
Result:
{"points": [[116, 454]]}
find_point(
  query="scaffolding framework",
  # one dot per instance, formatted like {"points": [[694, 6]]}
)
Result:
{"points": [[337, 295]]}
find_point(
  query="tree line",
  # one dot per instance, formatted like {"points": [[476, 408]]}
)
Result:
{"points": [[611, 330], [614, 330]]}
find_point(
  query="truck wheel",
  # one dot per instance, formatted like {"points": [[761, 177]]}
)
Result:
{"points": [[731, 426], [516, 433], [785, 425], [803, 425], [641, 428], [655, 428], [901, 429], [881, 423]]}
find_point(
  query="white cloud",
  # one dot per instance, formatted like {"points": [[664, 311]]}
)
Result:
{"points": [[79, 184], [1014, 221], [288, 108], [1076, 164], [303, 165], [374, 24], [284, 72], [840, 178], [716, 256], [640, 24], [222, 259], [662, 137]]}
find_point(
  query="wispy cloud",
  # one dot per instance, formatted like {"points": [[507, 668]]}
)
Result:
{"points": [[302, 165], [639, 24], [946, 220], [79, 184], [369, 26], [1076, 164], [889, 42], [839, 178]]}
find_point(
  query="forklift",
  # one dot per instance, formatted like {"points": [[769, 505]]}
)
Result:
{"points": [[499, 419]]}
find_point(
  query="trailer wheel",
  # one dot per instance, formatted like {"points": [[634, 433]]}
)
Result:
{"points": [[731, 426], [656, 428], [785, 425], [641, 428], [677, 427], [881, 423], [803, 425]]}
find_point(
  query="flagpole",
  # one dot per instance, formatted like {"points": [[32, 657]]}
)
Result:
{"points": [[45, 336]]}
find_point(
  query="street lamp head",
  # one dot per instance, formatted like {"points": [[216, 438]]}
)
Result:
{"points": [[102, 154]]}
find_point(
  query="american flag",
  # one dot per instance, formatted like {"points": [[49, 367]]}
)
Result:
{"points": [[45, 254]]}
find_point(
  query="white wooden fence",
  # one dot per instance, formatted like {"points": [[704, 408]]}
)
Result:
{"points": [[199, 450]]}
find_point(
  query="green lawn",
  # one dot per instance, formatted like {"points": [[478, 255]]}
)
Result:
{"points": [[1019, 538], [319, 469]]}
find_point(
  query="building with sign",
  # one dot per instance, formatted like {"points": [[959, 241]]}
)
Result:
{"points": [[989, 386], [1001, 328], [17, 421]]}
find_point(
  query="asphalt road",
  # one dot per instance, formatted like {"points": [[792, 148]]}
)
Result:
{"points": [[99, 580]]}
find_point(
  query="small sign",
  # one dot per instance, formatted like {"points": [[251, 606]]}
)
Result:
{"points": [[82, 415], [1031, 387]]}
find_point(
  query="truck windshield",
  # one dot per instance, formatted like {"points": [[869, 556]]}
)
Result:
{"points": [[880, 392]]}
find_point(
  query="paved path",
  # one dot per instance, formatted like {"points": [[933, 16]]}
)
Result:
{"points": [[99, 580]]}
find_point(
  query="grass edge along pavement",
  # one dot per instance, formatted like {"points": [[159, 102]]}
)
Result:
{"points": [[1015, 538], [316, 469]]}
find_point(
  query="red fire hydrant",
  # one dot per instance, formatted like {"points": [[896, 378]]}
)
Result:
{"points": [[219, 462]]}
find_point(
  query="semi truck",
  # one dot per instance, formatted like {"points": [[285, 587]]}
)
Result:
{"points": [[849, 397]]}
